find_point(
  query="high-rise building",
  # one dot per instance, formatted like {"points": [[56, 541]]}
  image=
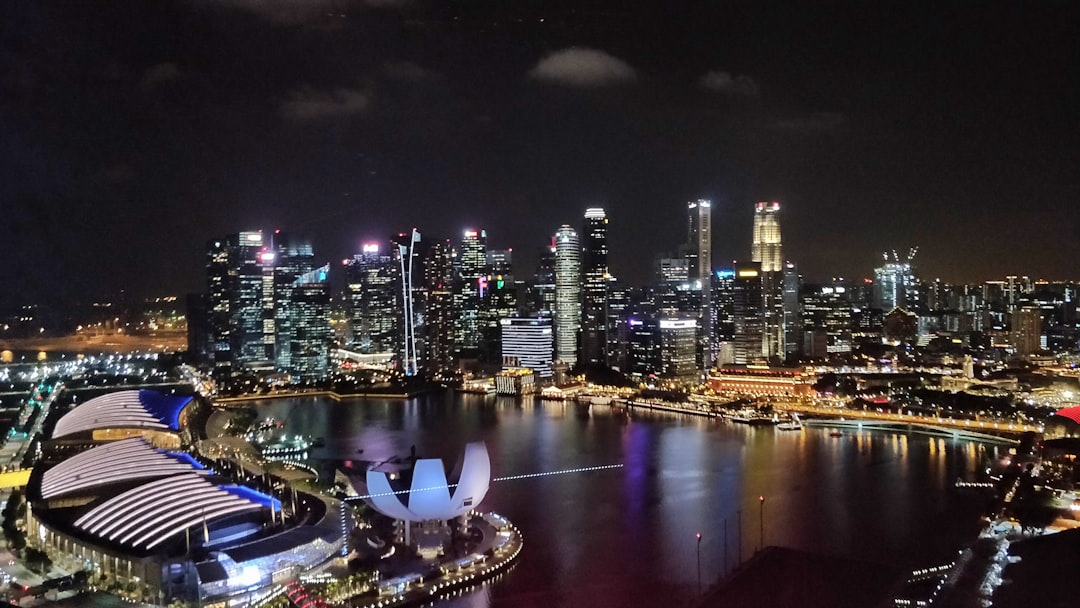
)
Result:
{"points": [[678, 350], [411, 302], [498, 300], [699, 241], [895, 285], [527, 343], [1025, 332], [567, 294], [748, 313], [594, 268], [309, 335], [373, 292], [767, 249], [254, 308], [439, 310], [471, 264], [792, 323]]}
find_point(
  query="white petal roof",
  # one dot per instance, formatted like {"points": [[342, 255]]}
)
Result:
{"points": [[429, 495]]}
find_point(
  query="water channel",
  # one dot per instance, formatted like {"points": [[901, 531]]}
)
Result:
{"points": [[626, 536]]}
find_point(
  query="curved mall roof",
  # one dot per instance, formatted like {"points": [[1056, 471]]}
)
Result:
{"points": [[152, 513], [429, 495], [125, 409], [121, 461]]}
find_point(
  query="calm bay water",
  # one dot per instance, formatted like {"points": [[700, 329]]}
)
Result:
{"points": [[626, 536]]}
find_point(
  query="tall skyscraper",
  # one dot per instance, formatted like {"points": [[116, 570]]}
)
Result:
{"points": [[767, 249], [309, 334], [372, 283], [895, 285], [258, 313], [748, 311], [439, 311], [594, 267], [699, 242], [411, 310], [498, 300], [792, 322], [567, 294], [471, 264]]}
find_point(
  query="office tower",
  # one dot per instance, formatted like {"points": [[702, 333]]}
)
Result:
{"points": [[372, 284], [287, 261], [594, 268], [895, 285], [643, 358], [471, 263], [498, 300], [828, 320], [767, 249], [620, 304], [406, 256], [699, 242], [678, 350], [527, 343], [1025, 331], [792, 323], [439, 311], [748, 314], [254, 310], [567, 294], [235, 279], [672, 271], [309, 335], [721, 304], [541, 301]]}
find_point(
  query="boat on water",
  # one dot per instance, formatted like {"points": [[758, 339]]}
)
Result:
{"points": [[752, 417], [792, 425], [836, 434]]}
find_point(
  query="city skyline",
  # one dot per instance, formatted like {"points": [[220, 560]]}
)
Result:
{"points": [[137, 133]]}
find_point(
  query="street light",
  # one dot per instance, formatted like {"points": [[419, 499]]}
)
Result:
{"points": [[761, 543], [699, 563]]}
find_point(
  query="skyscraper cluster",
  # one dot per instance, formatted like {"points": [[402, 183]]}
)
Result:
{"points": [[435, 307]]}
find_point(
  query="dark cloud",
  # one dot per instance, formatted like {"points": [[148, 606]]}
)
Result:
{"points": [[811, 123], [407, 71], [294, 12], [732, 86], [581, 67], [307, 103], [161, 73]]}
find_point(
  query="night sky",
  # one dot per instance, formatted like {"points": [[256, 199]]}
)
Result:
{"points": [[133, 132]]}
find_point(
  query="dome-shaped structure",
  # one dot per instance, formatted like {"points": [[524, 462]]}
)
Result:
{"points": [[429, 494]]}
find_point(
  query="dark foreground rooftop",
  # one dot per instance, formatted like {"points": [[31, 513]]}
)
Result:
{"points": [[782, 578], [1045, 576]]}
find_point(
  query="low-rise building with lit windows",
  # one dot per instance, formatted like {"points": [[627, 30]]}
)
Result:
{"points": [[762, 381]]}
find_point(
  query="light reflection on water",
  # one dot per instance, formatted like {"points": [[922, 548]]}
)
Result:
{"points": [[627, 536]]}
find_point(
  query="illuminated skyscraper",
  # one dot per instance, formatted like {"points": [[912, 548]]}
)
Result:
{"points": [[471, 264], [567, 294], [748, 314], [699, 242], [309, 332], [594, 267], [895, 285], [527, 343], [767, 249], [371, 281], [439, 311]]}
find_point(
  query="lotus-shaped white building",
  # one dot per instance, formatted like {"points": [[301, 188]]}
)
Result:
{"points": [[430, 494]]}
